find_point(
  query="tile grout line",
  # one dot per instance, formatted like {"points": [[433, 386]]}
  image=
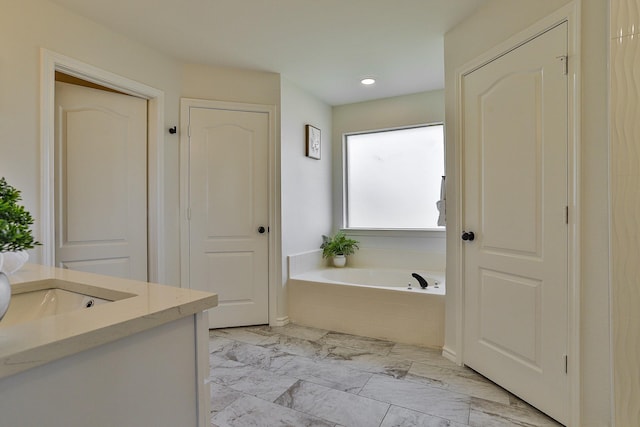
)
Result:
{"points": [[385, 415]]}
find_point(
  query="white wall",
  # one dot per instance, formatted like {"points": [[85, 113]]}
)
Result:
{"points": [[230, 84], [25, 27], [306, 182], [407, 110], [493, 24]]}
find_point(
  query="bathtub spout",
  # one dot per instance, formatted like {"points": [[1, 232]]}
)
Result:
{"points": [[421, 280]]}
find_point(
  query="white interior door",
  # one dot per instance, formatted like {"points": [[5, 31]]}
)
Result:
{"points": [[229, 212], [101, 182], [515, 200]]}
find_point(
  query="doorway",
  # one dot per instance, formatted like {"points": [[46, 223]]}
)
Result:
{"points": [[52, 62], [227, 197], [100, 180]]}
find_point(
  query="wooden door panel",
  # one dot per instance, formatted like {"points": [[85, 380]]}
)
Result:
{"points": [[228, 274], [101, 182], [88, 197], [504, 296], [229, 154], [229, 200], [512, 157]]}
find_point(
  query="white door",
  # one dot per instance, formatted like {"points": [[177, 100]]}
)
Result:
{"points": [[101, 182], [229, 212], [515, 200]]}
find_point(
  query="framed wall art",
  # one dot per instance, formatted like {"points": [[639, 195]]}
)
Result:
{"points": [[313, 142]]}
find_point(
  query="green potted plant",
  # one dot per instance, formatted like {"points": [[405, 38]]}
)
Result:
{"points": [[15, 238], [15, 229], [338, 247]]}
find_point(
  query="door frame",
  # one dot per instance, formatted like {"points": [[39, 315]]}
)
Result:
{"points": [[569, 14], [274, 262], [50, 62]]}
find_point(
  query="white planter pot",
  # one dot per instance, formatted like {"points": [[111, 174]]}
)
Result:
{"points": [[339, 261], [5, 294], [10, 262]]}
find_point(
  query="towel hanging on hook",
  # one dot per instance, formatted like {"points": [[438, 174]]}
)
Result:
{"points": [[442, 204]]}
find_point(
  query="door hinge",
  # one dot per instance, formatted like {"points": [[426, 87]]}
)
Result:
{"points": [[564, 60], [566, 214], [188, 214], [566, 364], [189, 131]]}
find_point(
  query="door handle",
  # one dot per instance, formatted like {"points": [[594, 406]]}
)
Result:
{"points": [[261, 230], [468, 236]]}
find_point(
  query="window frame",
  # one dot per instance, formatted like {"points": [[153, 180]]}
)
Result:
{"points": [[384, 232]]}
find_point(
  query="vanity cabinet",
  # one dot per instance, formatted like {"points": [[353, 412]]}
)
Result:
{"points": [[125, 363]]}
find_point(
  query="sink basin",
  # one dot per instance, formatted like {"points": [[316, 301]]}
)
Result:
{"points": [[35, 300]]}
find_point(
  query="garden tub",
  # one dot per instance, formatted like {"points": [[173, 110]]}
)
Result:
{"points": [[380, 303]]}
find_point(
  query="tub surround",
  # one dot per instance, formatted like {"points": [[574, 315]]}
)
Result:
{"points": [[371, 258], [306, 261], [141, 359]]}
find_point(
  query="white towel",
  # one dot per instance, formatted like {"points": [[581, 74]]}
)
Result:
{"points": [[442, 204]]}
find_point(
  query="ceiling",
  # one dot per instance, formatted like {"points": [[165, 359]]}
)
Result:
{"points": [[323, 46]]}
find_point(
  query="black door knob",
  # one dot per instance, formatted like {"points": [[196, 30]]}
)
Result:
{"points": [[261, 230], [468, 236]]}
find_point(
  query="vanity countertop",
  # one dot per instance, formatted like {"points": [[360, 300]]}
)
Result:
{"points": [[147, 305]]}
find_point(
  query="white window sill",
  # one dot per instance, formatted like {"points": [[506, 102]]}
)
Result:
{"points": [[378, 232]]}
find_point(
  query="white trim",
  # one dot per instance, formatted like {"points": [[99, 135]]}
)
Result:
{"points": [[275, 263], [570, 14], [610, 124], [420, 125], [281, 321], [573, 12], [449, 354], [52, 62], [428, 233]]}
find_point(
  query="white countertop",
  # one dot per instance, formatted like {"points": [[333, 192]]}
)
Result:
{"points": [[36, 342]]}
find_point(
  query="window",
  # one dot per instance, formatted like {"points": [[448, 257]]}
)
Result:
{"points": [[393, 178]]}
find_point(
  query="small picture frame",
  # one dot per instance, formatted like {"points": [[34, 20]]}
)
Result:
{"points": [[314, 142]]}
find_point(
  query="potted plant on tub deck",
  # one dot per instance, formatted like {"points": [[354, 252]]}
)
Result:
{"points": [[15, 238], [338, 247]]}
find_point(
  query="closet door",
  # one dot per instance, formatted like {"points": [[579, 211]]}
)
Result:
{"points": [[229, 212], [515, 204], [101, 182]]}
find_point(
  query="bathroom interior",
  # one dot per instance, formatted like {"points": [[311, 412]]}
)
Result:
{"points": [[305, 195]]}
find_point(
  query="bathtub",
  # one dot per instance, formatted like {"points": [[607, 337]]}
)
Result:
{"points": [[380, 303]]}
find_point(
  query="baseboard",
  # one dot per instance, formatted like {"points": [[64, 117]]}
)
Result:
{"points": [[449, 354], [281, 321]]}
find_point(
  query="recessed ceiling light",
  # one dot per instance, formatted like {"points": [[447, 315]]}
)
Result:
{"points": [[368, 81]]}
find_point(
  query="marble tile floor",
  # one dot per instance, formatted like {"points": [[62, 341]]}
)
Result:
{"points": [[305, 377]]}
